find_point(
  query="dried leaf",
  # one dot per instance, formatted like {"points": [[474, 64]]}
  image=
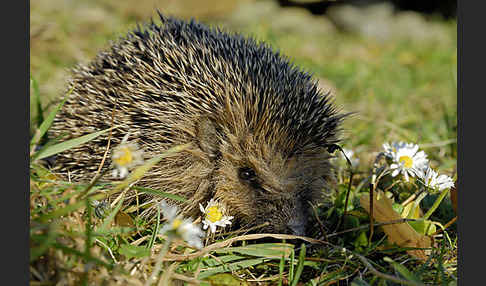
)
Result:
{"points": [[123, 219], [402, 234]]}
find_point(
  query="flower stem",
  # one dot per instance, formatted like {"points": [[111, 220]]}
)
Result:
{"points": [[416, 203], [436, 203], [158, 264]]}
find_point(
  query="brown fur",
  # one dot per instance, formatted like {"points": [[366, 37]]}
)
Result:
{"points": [[240, 105]]}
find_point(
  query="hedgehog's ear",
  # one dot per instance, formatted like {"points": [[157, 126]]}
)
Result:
{"points": [[207, 136]]}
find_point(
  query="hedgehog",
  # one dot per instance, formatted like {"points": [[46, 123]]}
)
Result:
{"points": [[260, 132]]}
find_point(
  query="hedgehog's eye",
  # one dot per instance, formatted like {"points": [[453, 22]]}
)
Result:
{"points": [[247, 174]]}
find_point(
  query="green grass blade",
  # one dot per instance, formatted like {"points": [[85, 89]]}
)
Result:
{"points": [[267, 250], [155, 231], [230, 267], [134, 251], [220, 260], [359, 282], [69, 208], [48, 121], [88, 258], [134, 176], [46, 242], [35, 101], [300, 266], [89, 227], [107, 221], [48, 144], [281, 266], [66, 145], [160, 193], [60, 212], [291, 265], [402, 270]]}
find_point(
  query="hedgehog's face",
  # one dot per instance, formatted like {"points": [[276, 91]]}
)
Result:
{"points": [[260, 185], [274, 191]]}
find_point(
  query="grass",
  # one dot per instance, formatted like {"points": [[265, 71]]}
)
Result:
{"points": [[401, 89]]}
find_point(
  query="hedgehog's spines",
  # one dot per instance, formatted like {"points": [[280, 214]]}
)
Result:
{"points": [[165, 78]]}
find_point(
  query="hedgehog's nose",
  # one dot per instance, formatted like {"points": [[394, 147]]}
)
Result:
{"points": [[296, 226]]}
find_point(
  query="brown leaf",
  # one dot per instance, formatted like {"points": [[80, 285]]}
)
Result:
{"points": [[123, 219], [402, 234]]}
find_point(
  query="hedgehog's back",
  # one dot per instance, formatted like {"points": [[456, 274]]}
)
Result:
{"points": [[160, 79]]}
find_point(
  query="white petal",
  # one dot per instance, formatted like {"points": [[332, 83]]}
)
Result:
{"points": [[165, 228], [195, 243], [125, 138], [169, 211], [123, 172]]}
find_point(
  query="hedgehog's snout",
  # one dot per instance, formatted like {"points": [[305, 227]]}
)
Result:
{"points": [[297, 226], [287, 215], [297, 221]]}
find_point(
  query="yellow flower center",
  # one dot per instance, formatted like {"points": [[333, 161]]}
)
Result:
{"points": [[214, 214], [407, 161], [176, 223], [126, 157]]}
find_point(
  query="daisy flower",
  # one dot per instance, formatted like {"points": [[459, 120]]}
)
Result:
{"points": [[405, 158], [126, 156], [180, 227], [432, 180], [214, 215]]}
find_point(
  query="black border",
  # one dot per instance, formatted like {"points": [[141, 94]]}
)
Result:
{"points": [[24, 241], [460, 137], [470, 91], [15, 141]]}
